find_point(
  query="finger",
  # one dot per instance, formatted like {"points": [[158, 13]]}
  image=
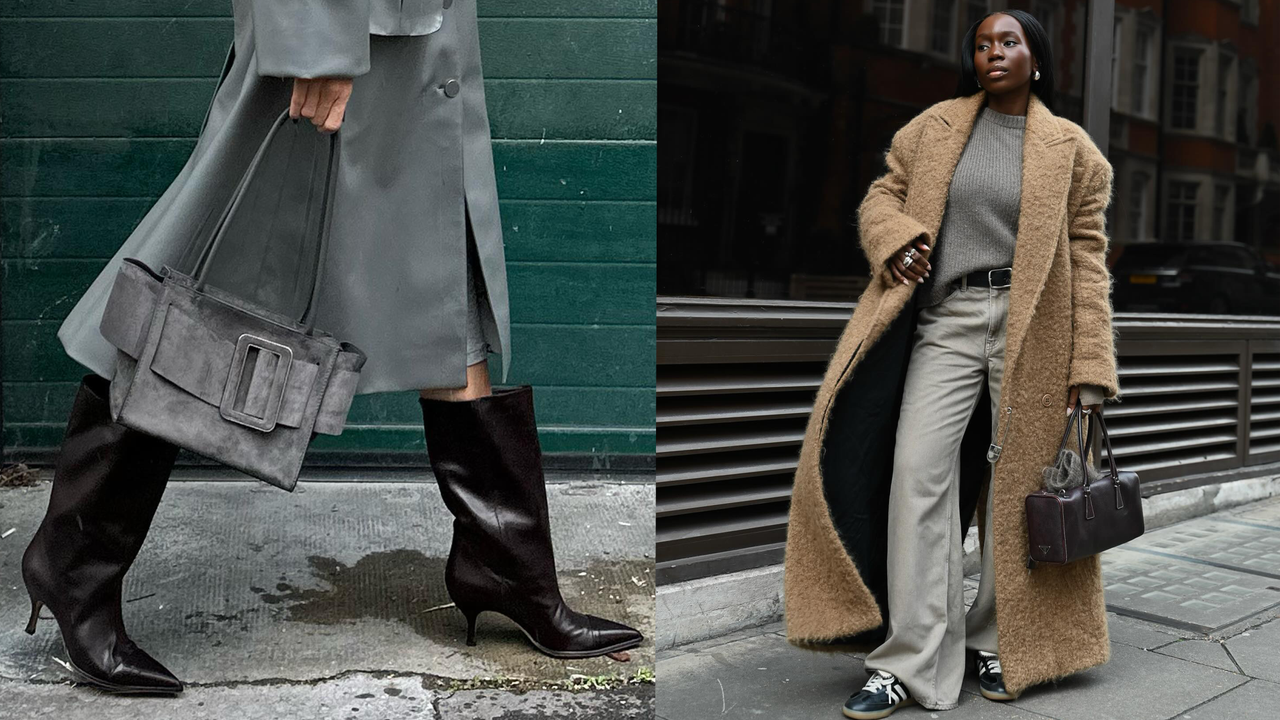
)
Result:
{"points": [[899, 270], [337, 112], [328, 93], [1071, 398], [311, 100], [915, 271], [299, 96], [918, 269]]}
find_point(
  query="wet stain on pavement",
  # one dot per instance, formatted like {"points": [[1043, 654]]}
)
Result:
{"points": [[407, 586], [394, 585]]}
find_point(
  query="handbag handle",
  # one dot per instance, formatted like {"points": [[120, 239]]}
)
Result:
{"points": [[202, 264], [1106, 437]]}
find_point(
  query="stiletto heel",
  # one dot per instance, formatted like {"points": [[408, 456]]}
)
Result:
{"points": [[35, 615], [471, 626]]}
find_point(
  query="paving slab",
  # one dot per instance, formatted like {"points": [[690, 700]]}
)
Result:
{"points": [[1257, 651], [1222, 541], [1133, 685], [1183, 594], [1254, 700], [1204, 652], [1143, 634], [243, 583]]}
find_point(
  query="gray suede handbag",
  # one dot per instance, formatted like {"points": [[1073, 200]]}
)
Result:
{"points": [[223, 377]]}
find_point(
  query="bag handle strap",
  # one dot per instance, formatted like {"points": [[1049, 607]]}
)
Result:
{"points": [[1076, 418], [1106, 439], [202, 265]]}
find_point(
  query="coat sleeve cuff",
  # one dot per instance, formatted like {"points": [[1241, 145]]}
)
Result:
{"points": [[311, 38], [1091, 394]]}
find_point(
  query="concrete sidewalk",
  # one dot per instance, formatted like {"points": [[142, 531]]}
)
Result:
{"points": [[1195, 635], [330, 602]]}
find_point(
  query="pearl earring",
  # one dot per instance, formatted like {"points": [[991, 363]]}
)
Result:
{"points": [[1037, 74]]}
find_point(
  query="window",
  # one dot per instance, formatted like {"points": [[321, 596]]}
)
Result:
{"points": [[1247, 108], [1115, 63], [1224, 84], [1141, 68], [1138, 183], [944, 17], [977, 8], [1046, 11], [1186, 87], [1220, 195], [890, 14], [1181, 218]]}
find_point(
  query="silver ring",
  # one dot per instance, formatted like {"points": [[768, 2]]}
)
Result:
{"points": [[907, 262]]}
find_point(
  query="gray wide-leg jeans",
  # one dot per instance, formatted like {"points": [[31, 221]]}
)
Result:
{"points": [[958, 343]]}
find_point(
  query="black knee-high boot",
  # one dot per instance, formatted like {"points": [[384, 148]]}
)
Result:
{"points": [[107, 483], [487, 460]]}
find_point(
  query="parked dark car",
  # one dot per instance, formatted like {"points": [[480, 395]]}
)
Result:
{"points": [[1195, 277]]}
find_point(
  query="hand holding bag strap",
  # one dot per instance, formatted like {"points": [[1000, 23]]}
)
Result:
{"points": [[206, 256]]}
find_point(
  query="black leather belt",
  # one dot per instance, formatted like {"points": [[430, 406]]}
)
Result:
{"points": [[997, 278]]}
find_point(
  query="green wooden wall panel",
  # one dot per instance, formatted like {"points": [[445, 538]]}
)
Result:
{"points": [[581, 293], [566, 406], [100, 102], [197, 8], [533, 230], [141, 108], [544, 354], [196, 47], [599, 442], [527, 169]]}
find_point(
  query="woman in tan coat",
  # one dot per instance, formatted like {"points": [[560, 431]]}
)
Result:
{"points": [[987, 243]]}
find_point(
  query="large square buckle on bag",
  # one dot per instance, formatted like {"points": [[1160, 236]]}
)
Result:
{"points": [[271, 363]]}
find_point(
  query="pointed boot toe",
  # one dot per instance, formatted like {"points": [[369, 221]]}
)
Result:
{"points": [[143, 672], [134, 673], [613, 636]]}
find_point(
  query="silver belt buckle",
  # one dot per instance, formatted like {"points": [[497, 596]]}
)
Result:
{"points": [[232, 405], [991, 281]]}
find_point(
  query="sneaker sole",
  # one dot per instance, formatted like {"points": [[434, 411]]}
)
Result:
{"points": [[991, 695], [878, 713]]}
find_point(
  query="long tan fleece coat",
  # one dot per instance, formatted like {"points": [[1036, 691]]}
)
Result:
{"points": [[1051, 620]]}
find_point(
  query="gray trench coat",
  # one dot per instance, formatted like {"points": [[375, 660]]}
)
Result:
{"points": [[415, 160]]}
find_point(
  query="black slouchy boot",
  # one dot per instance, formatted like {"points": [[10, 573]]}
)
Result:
{"points": [[107, 483], [488, 463]]}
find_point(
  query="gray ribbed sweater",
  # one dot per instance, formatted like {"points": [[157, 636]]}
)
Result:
{"points": [[980, 223]]}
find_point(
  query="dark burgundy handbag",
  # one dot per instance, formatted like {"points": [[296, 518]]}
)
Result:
{"points": [[1077, 522]]}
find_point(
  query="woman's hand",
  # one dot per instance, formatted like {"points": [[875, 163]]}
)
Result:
{"points": [[323, 100], [919, 268], [1075, 395]]}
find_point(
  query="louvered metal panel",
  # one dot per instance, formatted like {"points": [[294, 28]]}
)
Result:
{"points": [[736, 380], [1264, 410]]}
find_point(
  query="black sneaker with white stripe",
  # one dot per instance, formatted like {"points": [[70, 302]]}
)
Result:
{"points": [[990, 677], [882, 694]]}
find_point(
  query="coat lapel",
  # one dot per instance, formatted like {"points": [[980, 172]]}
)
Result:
{"points": [[1047, 154]]}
